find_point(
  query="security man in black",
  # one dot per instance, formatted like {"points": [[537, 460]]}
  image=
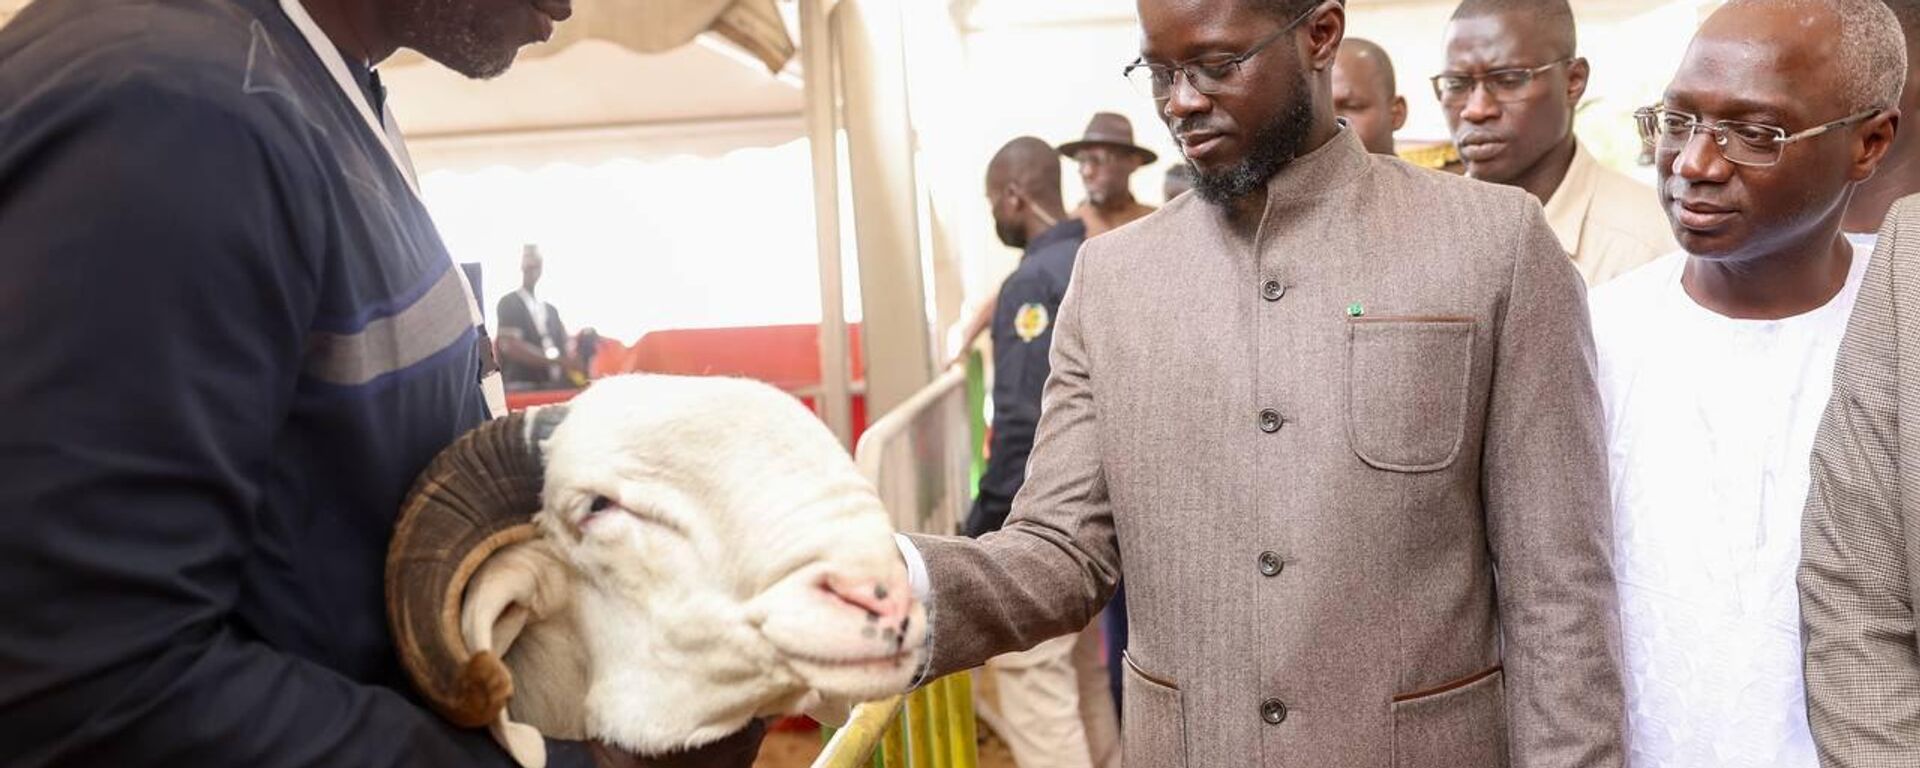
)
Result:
{"points": [[1023, 189]]}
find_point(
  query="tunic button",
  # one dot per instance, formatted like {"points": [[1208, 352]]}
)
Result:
{"points": [[1271, 565], [1274, 711], [1269, 421], [1272, 290]]}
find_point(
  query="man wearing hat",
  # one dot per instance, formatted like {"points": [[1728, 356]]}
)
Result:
{"points": [[1108, 157]]}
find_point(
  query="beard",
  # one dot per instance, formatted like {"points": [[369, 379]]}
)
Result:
{"points": [[1274, 145], [1011, 233], [461, 35]]}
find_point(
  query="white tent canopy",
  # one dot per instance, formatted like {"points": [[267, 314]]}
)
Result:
{"points": [[611, 151], [622, 78], [595, 101], [619, 79], [593, 94]]}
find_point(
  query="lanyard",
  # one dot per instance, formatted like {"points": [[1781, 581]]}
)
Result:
{"points": [[388, 132], [385, 130], [537, 309]]}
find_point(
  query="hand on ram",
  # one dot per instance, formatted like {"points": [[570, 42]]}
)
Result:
{"points": [[652, 566]]}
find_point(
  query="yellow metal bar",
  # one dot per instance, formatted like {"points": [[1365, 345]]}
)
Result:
{"points": [[853, 746], [937, 723], [920, 729], [958, 723], [893, 750], [930, 728]]}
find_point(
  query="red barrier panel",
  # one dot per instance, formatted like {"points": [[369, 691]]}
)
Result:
{"points": [[786, 356]]}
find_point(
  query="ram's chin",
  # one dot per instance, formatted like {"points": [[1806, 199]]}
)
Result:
{"points": [[658, 725], [657, 742], [859, 679]]}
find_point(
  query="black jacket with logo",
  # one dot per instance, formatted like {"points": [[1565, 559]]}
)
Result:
{"points": [[1022, 336]]}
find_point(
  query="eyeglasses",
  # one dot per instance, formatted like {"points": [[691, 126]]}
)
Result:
{"points": [[1756, 145], [1208, 75], [1098, 157], [1504, 85]]}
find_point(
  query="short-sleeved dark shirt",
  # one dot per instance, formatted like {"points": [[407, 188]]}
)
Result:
{"points": [[1022, 337]]}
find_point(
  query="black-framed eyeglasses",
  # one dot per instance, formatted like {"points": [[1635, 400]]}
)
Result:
{"points": [[1504, 85], [1208, 75], [1756, 145]]}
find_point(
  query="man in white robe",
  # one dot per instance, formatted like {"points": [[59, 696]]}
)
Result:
{"points": [[1716, 363]]}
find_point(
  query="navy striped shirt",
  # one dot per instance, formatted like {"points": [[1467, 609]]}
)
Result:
{"points": [[232, 338]]}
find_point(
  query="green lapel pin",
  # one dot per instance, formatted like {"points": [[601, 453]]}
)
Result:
{"points": [[1355, 310]]}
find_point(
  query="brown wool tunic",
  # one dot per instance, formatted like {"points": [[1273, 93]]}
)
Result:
{"points": [[1312, 453]]}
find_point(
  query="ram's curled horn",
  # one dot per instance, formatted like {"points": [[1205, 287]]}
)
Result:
{"points": [[478, 496], [678, 557]]}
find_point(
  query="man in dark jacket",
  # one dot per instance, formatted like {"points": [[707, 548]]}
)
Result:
{"points": [[1024, 191], [1055, 711], [233, 338]]}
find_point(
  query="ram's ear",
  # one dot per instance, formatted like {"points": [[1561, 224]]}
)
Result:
{"points": [[521, 583]]}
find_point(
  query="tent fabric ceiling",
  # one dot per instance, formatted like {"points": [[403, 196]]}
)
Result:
{"points": [[977, 15], [756, 26], [619, 65], [657, 26], [592, 84], [626, 64], [646, 26], [652, 26], [616, 64]]}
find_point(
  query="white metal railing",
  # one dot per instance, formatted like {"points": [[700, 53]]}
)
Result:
{"points": [[918, 456]]}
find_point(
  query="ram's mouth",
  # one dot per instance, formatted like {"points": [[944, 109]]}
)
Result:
{"points": [[876, 663]]}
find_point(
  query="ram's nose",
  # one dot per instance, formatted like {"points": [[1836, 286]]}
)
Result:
{"points": [[887, 602]]}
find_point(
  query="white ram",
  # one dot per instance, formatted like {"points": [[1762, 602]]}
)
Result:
{"points": [[657, 563]]}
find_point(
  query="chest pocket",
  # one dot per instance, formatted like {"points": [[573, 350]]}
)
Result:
{"points": [[1407, 386]]}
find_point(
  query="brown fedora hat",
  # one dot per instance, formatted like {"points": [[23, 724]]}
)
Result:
{"points": [[1107, 129]]}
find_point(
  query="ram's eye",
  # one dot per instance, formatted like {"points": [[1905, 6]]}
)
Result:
{"points": [[600, 503]]}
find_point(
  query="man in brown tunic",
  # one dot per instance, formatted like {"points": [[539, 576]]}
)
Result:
{"points": [[1336, 416]]}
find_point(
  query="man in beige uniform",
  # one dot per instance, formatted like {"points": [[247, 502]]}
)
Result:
{"points": [[1509, 90], [1312, 408]]}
